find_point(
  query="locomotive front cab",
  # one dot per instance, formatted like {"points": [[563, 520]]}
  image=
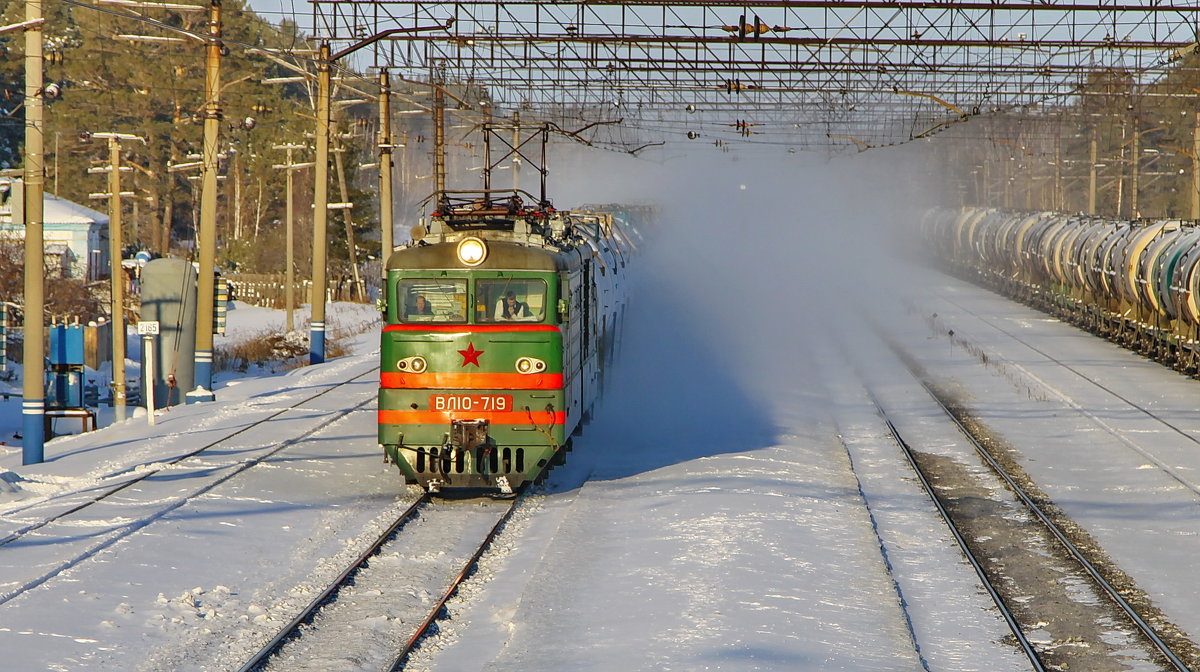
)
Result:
{"points": [[471, 379]]}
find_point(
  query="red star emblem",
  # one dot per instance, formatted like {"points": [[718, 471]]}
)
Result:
{"points": [[470, 355]]}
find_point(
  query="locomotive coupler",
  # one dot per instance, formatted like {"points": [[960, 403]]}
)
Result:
{"points": [[470, 437], [465, 435]]}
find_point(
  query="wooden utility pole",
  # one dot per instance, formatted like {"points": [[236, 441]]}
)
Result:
{"points": [[117, 285], [348, 219], [289, 289], [117, 273]]}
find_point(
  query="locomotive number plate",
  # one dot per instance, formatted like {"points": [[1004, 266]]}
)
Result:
{"points": [[470, 402]]}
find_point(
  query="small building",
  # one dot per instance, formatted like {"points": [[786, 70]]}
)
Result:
{"points": [[76, 237]]}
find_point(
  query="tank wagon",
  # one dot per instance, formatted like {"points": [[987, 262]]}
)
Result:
{"points": [[1135, 282], [500, 321]]}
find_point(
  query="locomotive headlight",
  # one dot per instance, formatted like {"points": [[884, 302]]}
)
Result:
{"points": [[472, 251], [412, 365], [530, 365]]}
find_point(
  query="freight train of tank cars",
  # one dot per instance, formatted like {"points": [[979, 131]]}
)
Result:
{"points": [[500, 322], [1134, 282]]}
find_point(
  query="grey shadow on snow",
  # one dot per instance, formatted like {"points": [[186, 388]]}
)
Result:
{"points": [[671, 397]]}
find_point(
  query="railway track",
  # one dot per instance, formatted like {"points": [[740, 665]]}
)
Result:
{"points": [[1173, 428], [152, 491], [393, 586], [943, 499]]}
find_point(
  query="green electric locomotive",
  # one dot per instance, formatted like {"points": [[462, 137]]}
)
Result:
{"points": [[500, 318]]}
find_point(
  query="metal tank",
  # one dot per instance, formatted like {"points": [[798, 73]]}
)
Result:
{"points": [[169, 298]]}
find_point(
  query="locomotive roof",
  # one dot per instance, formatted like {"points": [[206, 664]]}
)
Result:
{"points": [[501, 256]]}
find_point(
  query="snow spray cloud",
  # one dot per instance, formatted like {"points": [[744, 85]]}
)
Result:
{"points": [[751, 259], [764, 250]]}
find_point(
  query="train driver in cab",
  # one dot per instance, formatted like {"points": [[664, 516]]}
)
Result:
{"points": [[509, 308], [420, 306]]}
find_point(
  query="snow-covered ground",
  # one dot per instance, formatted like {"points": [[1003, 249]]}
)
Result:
{"points": [[735, 505], [670, 540]]}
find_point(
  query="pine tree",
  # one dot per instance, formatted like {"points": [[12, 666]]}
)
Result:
{"points": [[155, 90]]}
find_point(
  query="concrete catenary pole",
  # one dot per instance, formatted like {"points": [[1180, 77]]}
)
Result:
{"points": [[516, 158], [385, 171], [1058, 176], [316, 354], [439, 136], [1092, 152], [205, 282], [1136, 170], [1121, 162], [325, 59], [1196, 169], [33, 407]]}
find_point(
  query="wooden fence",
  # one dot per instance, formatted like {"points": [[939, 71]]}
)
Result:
{"points": [[270, 291]]}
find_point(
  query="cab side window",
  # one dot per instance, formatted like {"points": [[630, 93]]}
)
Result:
{"points": [[510, 300], [435, 300]]}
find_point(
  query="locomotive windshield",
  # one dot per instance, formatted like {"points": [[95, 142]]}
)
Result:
{"points": [[441, 300], [510, 300]]}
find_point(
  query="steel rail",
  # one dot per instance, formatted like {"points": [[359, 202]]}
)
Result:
{"points": [[1009, 618], [143, 475], [1066, 543], [1176, 429], [1097, 577], [124, 530], [1101, 386], [330, 591], [466, 571]]}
